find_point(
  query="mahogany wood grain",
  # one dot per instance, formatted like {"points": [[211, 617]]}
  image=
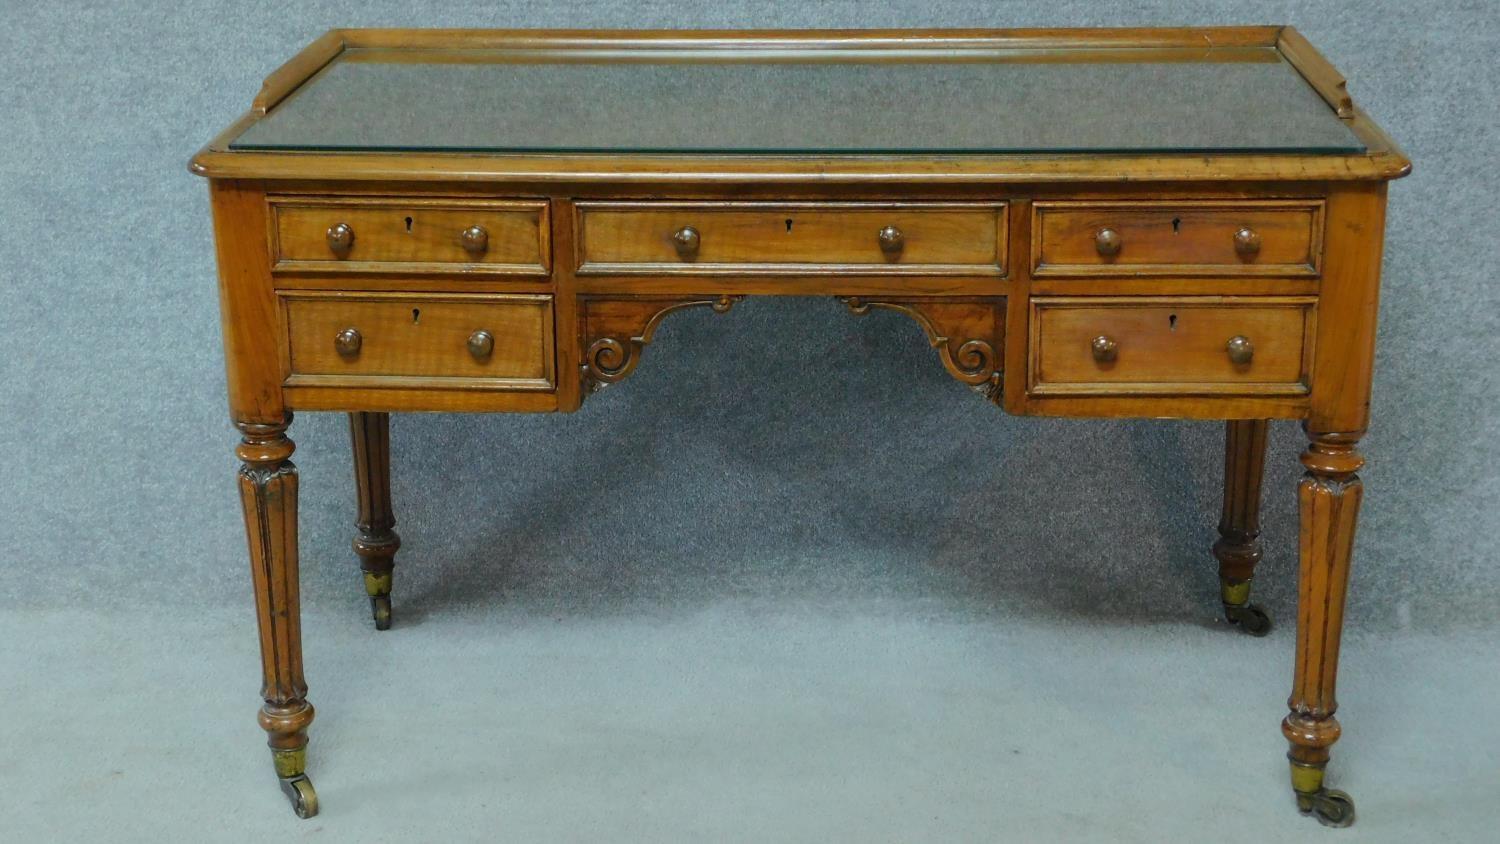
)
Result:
{"points": [[422, 338], [1239, 548], [268, 492], [414, 395], [568, 310], [297, 70], [1344, 357], [247, 303], [1321, 75], [376, 543], [410, 235], [791, 238], [1329, 496], [993, 247], [969, 336], [855, 40], [699, 170], [1382, 160], [614, 333], [1169, 346], [1177, 238]]}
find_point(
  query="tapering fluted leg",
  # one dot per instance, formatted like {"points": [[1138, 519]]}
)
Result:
{"points": [[377, 543], [268, 491], [1238, 548], [1329, 494]]}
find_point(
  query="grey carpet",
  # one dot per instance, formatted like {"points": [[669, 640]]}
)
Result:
{"points": [[789, 577], [847, 720]]}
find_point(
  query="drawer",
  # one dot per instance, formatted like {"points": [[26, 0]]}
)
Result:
{"points": [[464, 341], [1268, 237], [704, 238], [1170, 346], [410, 235]]}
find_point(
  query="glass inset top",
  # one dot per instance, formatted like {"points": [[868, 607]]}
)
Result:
{"points": [[1241, 100]]}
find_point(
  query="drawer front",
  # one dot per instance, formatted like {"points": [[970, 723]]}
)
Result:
{"points": [[1277, 238], [395, 339], [1170, 346], [791, 238], [394, 235]]}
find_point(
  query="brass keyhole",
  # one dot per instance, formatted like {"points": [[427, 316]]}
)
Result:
{"points": [[789, 224], [1172, 322], [1176, 225], [408, 225], [416, 314]]}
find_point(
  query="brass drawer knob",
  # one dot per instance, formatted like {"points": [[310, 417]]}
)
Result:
{"points": [[340, 239], [476, 241], [481, 345], [891, 240], [1240, 350], [1108, 242], [347, 343], [1105, 349], [686, 240], [1247, 243]]}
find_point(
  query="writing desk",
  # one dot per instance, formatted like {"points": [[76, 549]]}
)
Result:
{"points": [[1089, 223]]}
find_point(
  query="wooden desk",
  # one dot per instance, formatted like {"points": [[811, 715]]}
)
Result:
{"points": [[1104, 223]]}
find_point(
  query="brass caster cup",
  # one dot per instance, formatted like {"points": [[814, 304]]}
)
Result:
{"points": [[291, 770], [1239, 611], [378, 587], [1249, 618], [380, 610], [299, 790], [1330, 806]]}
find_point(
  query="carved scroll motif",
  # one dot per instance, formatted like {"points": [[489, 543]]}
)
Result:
{"points": [[612, 341], [969, 335]]}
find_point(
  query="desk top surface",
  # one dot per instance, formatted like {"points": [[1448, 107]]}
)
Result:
{"points": [[1230, 92], [1240, 100]]}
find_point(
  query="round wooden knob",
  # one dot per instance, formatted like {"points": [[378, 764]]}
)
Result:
{"points": [[1108, 242], [891, 240], [1240, 350], [340, 239], [1105, 350], [1247, 242], [686, 240], [347, 342], [476, 241], [481, 344]]}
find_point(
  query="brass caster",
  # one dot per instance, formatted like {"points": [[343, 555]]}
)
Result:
{"points": [[1250, 618], [299, 790], [1330, 806], [380, 609]]}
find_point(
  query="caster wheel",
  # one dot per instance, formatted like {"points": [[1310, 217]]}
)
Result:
{"points": [[380, 609], [1250, 618], [299, 790], [1330, 806]]}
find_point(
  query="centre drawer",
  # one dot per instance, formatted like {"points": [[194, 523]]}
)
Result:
{"points": [[704, 238], [458, 341], [1170, 346]]}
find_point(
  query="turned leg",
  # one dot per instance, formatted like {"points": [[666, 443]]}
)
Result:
{"points": [[268, 491], [1238, 548], [1329, 495], [376, 544]]}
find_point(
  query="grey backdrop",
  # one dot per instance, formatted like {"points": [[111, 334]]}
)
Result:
{"points": [[784, 442], [786, 454]]}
